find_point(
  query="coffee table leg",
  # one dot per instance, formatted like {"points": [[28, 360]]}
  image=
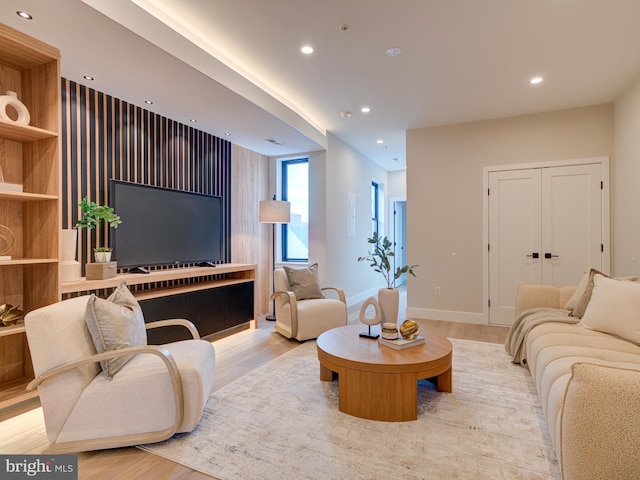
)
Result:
{"points": [[326, 375], [445, 382]]}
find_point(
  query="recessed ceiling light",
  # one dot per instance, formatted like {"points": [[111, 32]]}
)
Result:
{"points": [[25, 15], [345, 114], [307, 50], [88, 77], [394, 52], [380, 141], [148, 102], [227, 134], [365, 109], [193, 120], [535, 80]]}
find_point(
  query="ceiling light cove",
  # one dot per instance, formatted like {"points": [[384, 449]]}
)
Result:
{"points": [[535, 80], [307, 49]]}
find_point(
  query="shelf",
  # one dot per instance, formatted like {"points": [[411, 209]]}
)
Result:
{"points": [[12, 330], [26, 196], [27, 261], [23, 133], [16, 391], [159, 276]]}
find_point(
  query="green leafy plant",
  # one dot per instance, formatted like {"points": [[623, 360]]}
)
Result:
{"points": [[380, 258], [93, 214], [103, 249]]}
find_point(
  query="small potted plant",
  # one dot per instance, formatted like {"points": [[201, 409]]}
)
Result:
{"points": [[92, 215], [380, 258]]}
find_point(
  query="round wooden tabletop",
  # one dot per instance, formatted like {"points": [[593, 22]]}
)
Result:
{"points": [[345, 344]]}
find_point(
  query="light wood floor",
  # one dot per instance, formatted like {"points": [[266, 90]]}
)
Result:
{"points": [[22, 428]]}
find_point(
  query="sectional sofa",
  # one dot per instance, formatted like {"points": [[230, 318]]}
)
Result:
{"points": [[582, 347]]}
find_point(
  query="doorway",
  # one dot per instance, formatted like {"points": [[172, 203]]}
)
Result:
{"points": [[400, 238], [546, 224]]}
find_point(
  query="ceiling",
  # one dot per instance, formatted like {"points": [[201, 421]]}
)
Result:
{"points": [[236, 66]]}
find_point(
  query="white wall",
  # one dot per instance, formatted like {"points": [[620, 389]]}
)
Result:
{"points": [[445, 195], [625, 198], [349, 171]]}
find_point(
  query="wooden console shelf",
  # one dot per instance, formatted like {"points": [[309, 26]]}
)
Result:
{"points": [[223, 275]]}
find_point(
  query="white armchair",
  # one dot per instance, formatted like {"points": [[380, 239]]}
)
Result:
{"points": [[308, 318], [161, 390]]}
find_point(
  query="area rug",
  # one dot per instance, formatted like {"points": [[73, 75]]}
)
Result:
{"points": [[281, 422]]}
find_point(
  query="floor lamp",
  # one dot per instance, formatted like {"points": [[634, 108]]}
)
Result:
{"points": [[273, 212]]}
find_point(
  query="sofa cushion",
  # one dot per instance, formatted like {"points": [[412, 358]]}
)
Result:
{"points": [[115, 323], [614, 308], [585, 288], [304, 282]]}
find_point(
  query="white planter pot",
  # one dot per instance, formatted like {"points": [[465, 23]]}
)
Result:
{"points": [[389, 300], [102, 257], [70, 269]]}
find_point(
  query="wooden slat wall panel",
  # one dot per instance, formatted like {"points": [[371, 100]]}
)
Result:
{"points": [[251, 239], [104, 137]]}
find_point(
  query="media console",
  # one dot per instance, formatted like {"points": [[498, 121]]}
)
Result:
{"points": [[213, 298]]}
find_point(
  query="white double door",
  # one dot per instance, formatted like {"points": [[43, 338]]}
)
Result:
{"points": [[545, 226]]}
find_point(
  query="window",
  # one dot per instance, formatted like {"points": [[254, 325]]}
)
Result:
{"points": [[375, 199], [295, 189]]}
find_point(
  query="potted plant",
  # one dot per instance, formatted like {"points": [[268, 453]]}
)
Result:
{"points": [[380, 258], [92, 215]]}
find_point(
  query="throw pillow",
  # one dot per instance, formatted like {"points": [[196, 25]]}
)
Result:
{"points": [[304, 282], [585, 296], [575, 298], [614, 308], [115, 323]]}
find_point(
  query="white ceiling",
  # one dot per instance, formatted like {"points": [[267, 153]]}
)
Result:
{"points": [[236, 66]]}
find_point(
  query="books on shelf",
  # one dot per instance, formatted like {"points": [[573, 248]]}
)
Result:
{"points": [[401, 343]]}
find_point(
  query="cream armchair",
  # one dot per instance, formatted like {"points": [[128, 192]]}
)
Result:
{"points": [[160, 390], [306, 319]]}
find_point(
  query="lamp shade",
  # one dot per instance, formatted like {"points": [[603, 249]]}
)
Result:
{"points": [[275, 211]]}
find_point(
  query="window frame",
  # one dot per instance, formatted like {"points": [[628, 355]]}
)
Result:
{"points": [[284, 190]]}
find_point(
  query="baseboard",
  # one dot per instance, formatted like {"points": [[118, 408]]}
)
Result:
{"points": [[446, 315], [358, 299]]}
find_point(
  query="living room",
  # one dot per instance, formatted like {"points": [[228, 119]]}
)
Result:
{"points": [[445, 223]]}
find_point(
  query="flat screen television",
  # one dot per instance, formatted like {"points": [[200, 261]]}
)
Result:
{"points": [[161, 226]]}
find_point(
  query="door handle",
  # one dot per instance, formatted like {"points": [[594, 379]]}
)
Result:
{"points": [[534, 255], [548, 255]]}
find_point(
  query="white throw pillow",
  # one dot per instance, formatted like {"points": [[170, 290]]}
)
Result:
{"points": [[614, 308]]}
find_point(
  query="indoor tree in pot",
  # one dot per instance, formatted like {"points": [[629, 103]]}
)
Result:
{"points": [[380, 257], [92, 215]]}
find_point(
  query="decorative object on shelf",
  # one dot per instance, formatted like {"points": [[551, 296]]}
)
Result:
{"points": [[7, 241], [274, 211], [8, 187], [92, 215], [11, 100], [409, 329], [102, 254], [10, 315], [389, 331], [101, 270], [380, 260], [70, 268], [375, 320]]}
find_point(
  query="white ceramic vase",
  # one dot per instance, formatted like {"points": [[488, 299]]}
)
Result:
{"points": [[389, 300], [11, 99]]}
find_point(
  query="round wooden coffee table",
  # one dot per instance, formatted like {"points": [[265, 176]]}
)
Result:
{"points": [[379, 382]]}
